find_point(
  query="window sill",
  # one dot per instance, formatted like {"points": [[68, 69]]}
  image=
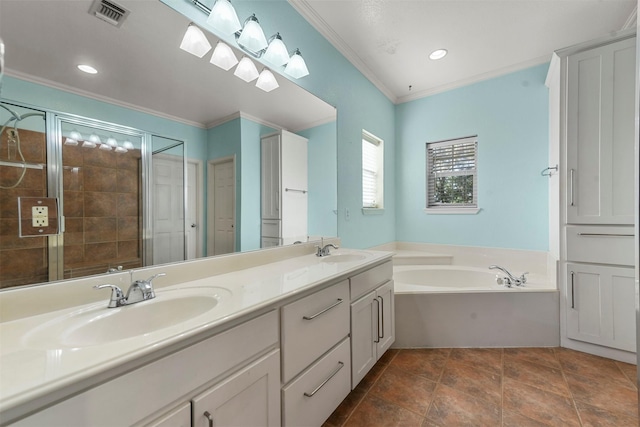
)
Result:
{"points": [[372, 211], [452, 211]]}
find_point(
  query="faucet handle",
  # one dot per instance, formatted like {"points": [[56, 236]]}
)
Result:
{"points": [[150, 279], [523, 278], [117, 296]]}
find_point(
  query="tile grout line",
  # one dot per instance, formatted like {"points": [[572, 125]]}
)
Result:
{"points": [[435, 390], [502, 390], [573, 399]]}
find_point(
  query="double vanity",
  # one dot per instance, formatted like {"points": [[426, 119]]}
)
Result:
{"points": [[269, 338]]}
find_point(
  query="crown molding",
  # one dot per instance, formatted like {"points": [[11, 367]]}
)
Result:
{"points": [[241, 114], [316, 123], [475, 79], [59, 86], [308, 13], [632, 20]]}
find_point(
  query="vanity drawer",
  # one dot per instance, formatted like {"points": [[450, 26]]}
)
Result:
{"points": [[311, 326], [370, 279], [602, 245], [312, 409]]}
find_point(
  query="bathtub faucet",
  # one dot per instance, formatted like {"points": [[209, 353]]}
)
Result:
{"points": [[509, 279]]}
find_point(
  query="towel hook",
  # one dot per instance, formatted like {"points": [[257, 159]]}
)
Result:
{"points": [[549, 169]]}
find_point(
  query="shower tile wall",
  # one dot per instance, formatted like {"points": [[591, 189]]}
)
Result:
{"points": [[22, 260], [102, 200]]}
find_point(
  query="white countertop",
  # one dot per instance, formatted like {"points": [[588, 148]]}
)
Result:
{"points": [[31, 368]]}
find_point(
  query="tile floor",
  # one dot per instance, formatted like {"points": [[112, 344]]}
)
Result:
{"points": [[492, 387]]}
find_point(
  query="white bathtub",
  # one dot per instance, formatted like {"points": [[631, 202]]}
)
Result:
{"points": [[457, 278], [460, 306]]}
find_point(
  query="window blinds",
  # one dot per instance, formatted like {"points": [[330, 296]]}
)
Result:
{"points": [[452, 173], [369, 173]]}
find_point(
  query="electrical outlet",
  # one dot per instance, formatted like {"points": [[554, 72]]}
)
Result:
{"points": [[40, 216]]}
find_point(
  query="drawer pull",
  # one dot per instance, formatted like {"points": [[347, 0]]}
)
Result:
{"points": [[333, 374], [209, 417], [377, 340], [323, 311], [571, 187], [605, 235], [573, 301], [381, 308]]}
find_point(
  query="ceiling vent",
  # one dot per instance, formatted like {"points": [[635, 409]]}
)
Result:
{"points": [[109, 12]]}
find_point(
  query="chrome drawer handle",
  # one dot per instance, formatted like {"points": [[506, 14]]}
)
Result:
{"points": [[323, 311], [209, 417], [381, 307], [571, 187], [377, 340], [606, 234], [573, 301], [333, 374]]}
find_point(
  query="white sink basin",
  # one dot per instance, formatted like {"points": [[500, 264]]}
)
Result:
{"points": [[336, 258], [98, 324]]}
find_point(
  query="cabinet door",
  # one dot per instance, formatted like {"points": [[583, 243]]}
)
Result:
{"points": [[386, 320], [601, 305], [250, 397], [364, 334], [270, 177], [600, 129], [179, 417]]}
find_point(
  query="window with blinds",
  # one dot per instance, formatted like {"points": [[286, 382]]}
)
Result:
{"points": [[452, 180], [372, 171]]}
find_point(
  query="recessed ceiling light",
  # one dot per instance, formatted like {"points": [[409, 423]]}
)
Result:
{"points": [[87, 69], [438, 54]]}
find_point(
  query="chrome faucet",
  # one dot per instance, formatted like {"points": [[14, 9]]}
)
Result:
{"points": [[324, 250], [509, 279], [140, 290]]}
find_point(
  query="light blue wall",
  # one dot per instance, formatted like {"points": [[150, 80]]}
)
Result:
{"points": [[510, 116], [322, 179], [359, 103]]}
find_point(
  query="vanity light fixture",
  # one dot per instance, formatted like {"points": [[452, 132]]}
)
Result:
{"points": [[89, 144], [195, 42], [251, 37], [223, 17], [246, 70], [277, 52], [70, 141], [438, 54], [128, 145], [73, 138], [93, 142], [105, 147], [111, 141], [120, 149], [267, 81], [296, 67], [87, 69], [223, 56]]}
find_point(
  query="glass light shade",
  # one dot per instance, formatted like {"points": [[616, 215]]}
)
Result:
{"points": [[223, 56], [223, 17], [89, 144], [111, 141], [195, 42], [252, 37], [128, 145], [74, 134], [105, 147], [277, 52], [296, 67], [70, 141], [121, 150], [246, 70], [95, 139], [267, 81]]}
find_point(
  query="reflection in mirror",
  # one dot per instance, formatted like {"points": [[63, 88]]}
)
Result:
{"points": [[149, 86]]}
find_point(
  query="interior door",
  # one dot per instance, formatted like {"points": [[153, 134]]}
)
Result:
{"points": [[222, 229], [193, 226]]}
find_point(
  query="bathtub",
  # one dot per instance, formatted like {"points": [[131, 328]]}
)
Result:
{"points": [[462, 306]]}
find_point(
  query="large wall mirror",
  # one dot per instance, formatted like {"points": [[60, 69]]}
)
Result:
{"points": [[199, 128]]}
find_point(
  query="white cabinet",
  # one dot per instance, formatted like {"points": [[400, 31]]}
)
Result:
{"points": [[600, 129], [372, 319], [249, 397], [601, 305], [284, 189], [178, 417]]}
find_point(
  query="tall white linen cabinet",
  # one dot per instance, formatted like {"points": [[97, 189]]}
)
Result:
{"points": [[284, 189], [591, 95]]}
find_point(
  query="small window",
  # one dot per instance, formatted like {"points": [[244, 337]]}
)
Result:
{"points": [[372, 171], [452, 179]]}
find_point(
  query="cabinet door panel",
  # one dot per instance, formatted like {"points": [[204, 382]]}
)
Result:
{"points": [[624, 311], [270, 177], [248, 398], [364, 316], [387, 320]]}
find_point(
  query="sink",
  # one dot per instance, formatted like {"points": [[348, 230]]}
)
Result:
{"points": [[97, 324], [336, 258]]}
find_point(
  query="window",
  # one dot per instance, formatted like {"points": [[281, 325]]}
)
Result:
{"points": [[372, 171], [452, 180]]}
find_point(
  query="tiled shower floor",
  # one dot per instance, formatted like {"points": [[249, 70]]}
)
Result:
{"points": [[492, 387]]}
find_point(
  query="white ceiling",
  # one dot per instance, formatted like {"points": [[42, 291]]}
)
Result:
{"points": [[140, 64], [390, 40]]}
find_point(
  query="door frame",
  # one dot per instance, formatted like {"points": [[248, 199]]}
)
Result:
{"points": [[199, 203], [211, 164]]}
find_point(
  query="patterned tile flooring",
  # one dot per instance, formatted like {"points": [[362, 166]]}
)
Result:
{"points": [[492, 387]]}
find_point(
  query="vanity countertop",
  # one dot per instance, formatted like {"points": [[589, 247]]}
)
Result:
{"points": [[36, 368]]}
